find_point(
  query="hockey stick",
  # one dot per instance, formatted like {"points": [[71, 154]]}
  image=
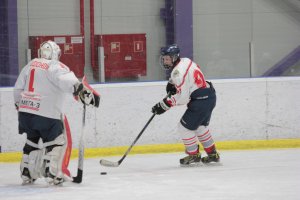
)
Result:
{"points": [[78, 178], [108, 163]]}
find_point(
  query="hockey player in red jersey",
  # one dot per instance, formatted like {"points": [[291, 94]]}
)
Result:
{"points": [[39, 95], [187, 85]]}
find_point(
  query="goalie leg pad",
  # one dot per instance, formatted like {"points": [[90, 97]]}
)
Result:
{"points": [[31, 163], [58, 156], [53, 170], [53, 157]]}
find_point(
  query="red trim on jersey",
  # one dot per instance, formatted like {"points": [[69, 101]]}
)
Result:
{"points": [[29, 107], [186, 72], [86, 84]]}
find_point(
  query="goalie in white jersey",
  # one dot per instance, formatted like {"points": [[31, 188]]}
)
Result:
{"points": [[39, 95], [187, 85]]}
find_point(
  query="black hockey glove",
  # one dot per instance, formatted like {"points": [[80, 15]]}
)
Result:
{"points": [[161, 107], [171, 89]]}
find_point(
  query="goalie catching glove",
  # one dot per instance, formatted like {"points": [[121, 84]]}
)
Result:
{"points": [[86, 94]]}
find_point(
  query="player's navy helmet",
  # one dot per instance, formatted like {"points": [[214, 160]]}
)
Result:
{"points": [[171, 50]]}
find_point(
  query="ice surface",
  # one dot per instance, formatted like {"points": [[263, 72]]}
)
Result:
{"points": [[243, 175]]}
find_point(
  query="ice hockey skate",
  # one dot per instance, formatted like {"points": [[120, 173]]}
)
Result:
{"points": [[212, 157], [190, 160]]}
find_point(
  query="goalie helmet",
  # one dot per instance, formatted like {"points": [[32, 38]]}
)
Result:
{"points": [[49, 50], [171, 50]]}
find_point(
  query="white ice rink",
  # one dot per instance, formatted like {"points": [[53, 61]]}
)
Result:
{"points": [[243, 175]]}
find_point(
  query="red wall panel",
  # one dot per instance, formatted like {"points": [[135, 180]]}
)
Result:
{"points": [[125, 55]]}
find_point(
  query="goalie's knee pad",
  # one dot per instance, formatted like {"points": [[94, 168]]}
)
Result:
{"points": [[31, 163]]}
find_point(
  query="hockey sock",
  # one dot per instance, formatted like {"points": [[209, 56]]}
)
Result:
{"points": [[205, 139]]}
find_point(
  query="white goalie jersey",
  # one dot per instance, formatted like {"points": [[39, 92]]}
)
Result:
{"points": [[42, 86], [187, 77]]}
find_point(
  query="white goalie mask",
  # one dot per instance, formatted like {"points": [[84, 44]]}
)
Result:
{"points": [[49, 50]]}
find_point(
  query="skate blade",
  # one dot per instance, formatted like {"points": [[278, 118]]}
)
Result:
{"points": [[27, 183], [213, 164], [53, 182], [198, 164]]}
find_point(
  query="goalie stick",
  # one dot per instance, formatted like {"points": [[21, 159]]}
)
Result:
{"points": [[78, 178], [108, 163]]}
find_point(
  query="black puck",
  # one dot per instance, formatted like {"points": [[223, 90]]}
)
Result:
{"points": [[103, 173]]}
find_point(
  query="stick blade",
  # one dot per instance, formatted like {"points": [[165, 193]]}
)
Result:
{"points": [[78, 178], [108, 163]]}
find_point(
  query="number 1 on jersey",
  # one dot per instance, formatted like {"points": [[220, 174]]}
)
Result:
{"points": [[31, 80]]}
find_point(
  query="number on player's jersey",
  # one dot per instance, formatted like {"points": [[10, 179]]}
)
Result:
{"points": [[31, 80], [198, 77]]}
